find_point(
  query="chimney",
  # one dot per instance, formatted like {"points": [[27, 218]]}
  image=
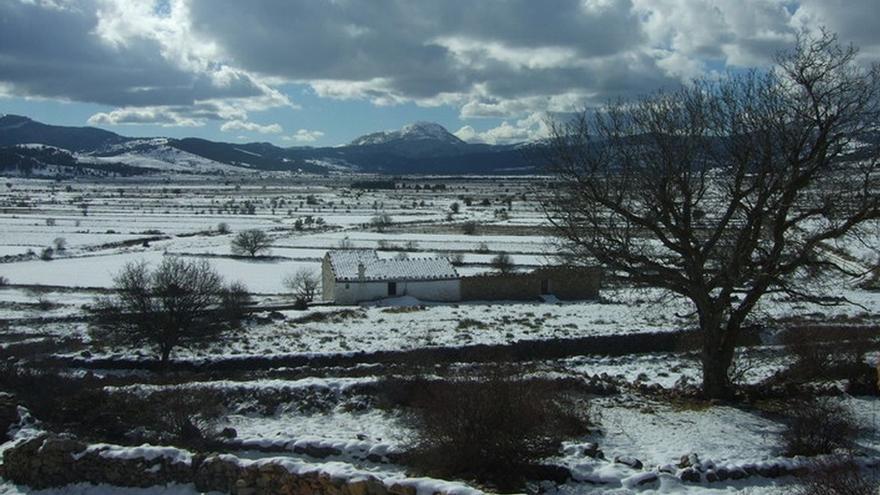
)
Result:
{"points": [[362, 271]]}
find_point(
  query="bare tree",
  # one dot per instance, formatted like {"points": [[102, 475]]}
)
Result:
{"points": [[251, 242], [177, 304], [724, 190], [304, 284]]}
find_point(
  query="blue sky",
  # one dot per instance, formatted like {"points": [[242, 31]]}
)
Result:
{"points": [[305, 72]]}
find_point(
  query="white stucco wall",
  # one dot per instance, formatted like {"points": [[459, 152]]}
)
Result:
{"points": [[428, 290]]}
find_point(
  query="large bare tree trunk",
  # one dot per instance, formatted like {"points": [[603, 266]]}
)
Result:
{"points": [[716, 377]]}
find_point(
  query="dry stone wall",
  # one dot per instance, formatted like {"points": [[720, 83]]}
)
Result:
{"points": [[51, 460]]}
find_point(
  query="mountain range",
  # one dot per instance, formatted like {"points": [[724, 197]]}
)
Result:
{"points": [[28, 147]]}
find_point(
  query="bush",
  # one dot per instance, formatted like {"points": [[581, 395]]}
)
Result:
{"points": [[222, 228], [47, 253], [492, 429], [502, 262], [235, 298], [381, 222], [835, 479], [3, 281], [80, 405], [817, 426], [826, 353], [469, 227]]}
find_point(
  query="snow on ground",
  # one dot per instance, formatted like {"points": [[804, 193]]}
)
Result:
{"points": [[260, 276]]}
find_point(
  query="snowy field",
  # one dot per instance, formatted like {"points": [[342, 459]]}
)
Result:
{"points": [[333, 406]]}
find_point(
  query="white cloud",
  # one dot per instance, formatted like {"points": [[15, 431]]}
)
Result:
{"points": [[531, 128], [239, 125], [304, 136], [143, 116]]}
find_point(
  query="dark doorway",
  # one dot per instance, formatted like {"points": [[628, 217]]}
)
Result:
{"points": [[392, 288], [545, 286]]}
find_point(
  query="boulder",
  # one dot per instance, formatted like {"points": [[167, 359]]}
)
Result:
{"points": [[690, 475], [629, 461]]}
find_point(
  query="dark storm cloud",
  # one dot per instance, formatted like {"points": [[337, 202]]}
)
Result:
{"points": [[53, 51], [180, 62]]}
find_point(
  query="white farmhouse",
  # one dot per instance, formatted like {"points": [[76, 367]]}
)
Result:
{"points": [[350, 276]]}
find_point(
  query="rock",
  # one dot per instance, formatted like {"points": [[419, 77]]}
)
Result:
{"points": [[8, 413], [549, 472], [648, 479], [770, 471], [401, 489], [690, 475], [667, 469], [688, 460], [228, 432], [738, 474], [711, 477], [629, 461], [591, 449], [316, 451]]}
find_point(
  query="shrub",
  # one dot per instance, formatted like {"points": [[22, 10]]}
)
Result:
{"points": [[502, 262], [69, 404], [818, 426], [3, 281], [47, 253], [50, 222], [234, 300], [381, 222], [60, 244], [827, 478], [826, 353], [222, 228], [41, 297], [469, 227], [492, 429]]}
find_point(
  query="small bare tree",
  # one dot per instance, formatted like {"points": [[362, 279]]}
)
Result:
{"points": [[251, 242], [724, 190], [177, 304], [304, 284]]}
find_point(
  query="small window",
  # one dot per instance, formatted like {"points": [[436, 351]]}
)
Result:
{"points": [[392, 288]]}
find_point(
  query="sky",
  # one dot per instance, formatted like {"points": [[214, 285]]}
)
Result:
{"points": [[321, 73]]}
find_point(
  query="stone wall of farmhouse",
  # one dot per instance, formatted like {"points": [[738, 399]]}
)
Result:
{"points": [[328, 281], [564, 283], [51, 460]]}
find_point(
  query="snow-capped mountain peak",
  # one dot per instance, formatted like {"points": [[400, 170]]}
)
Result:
{"points": [[417, 131]]}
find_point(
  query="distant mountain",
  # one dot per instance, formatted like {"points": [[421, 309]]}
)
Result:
{"points": [[38, 160], [15, 129], [419, 148]]}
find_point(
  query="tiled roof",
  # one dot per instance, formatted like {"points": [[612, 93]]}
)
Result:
{"points": [[345, 262]]}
